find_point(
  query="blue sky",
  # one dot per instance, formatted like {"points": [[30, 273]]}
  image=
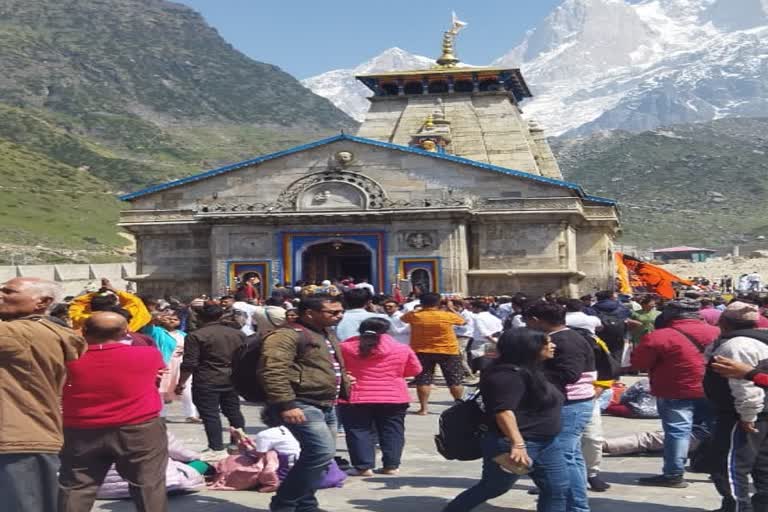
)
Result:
{"points": [[307, 37]]}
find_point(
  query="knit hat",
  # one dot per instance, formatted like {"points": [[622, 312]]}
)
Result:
{"points": [[741, 311], [682, 308], [684, 305]]}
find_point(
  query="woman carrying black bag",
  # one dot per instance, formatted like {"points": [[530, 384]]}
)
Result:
{"points": [[523, 411]]}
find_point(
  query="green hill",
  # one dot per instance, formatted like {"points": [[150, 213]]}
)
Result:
{"points": [[136, 92], [696, 184]]}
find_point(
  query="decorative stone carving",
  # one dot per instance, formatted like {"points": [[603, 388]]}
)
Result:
{"points": [[332, 196], [341, 160], [419, 240]]}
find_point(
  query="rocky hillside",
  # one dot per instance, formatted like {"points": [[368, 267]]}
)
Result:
{"points": [[131, 92], [700, 184]]}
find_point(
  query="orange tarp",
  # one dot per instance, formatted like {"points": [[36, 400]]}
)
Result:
{"points": [[634, 275]]}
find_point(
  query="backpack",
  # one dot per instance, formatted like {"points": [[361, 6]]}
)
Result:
{"points": [[607, 366], [245, 364], [613, 331], [461, 430]]}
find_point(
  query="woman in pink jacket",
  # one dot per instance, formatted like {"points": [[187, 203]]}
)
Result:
{"points": [[379, 397]]}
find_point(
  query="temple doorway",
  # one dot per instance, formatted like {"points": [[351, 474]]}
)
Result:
{"points": [[336, 259]]}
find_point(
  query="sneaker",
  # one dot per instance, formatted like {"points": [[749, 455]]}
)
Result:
{"points": [[673, 482], [597, 484], [213, 456]]}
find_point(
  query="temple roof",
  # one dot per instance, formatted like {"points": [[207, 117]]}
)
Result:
{"points": [[344, 137]]}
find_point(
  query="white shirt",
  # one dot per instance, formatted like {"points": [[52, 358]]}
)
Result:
{"points": [[486, 325], [581, 320], [410, 306], [401, 331], [468, 329], [248, 310], [367, 286]]}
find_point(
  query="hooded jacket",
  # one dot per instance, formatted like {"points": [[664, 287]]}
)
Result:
{"points": [[381, 375], [34, 352], [608, 307]]}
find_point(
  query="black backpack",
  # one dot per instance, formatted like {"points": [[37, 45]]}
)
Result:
{"points": [[613, 331], [461, 430], [607, 366], [245, 364]]}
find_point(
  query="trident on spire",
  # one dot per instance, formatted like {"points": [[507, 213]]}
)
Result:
{"points": [[448, 59]]}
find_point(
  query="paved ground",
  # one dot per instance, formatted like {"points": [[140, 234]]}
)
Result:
{"points": [[427, 481]]}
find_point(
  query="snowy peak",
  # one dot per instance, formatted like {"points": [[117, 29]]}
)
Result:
{"points": [[344, 91], [737, 14], [394, 59]]}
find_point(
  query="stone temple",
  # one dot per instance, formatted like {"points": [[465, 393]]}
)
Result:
{"points": [[445, 186]]}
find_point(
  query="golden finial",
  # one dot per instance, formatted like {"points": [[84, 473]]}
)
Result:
{"points": [[429, 122], [448, 59]]}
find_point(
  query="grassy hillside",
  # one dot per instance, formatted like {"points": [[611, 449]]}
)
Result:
{"points": [[698, 184], [51, 203]]}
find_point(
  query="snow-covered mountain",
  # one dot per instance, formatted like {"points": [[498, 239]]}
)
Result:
{"points": [[628, 64], [348, 94]]}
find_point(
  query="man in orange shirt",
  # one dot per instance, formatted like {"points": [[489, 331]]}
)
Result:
{"points": [[435, 343]]}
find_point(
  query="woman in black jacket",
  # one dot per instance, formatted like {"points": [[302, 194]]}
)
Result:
{"points": [[523, 410]]}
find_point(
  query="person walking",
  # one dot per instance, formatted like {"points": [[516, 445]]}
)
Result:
{"points": [[33, 355], [171, 322], [435, 343], [208, 354], [302, 373], [379, 397], [674, 358], [111, 411], [572, 370], [357, 302], [523, 410]]}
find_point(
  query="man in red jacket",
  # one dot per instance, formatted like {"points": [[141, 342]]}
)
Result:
{"points": [[674, 358]]}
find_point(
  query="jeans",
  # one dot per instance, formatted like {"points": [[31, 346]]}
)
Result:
{"points": [[208, 400], [388, 421], [677, 419], [317, 437], [549, 473], [574, 419], [592, 441], [28, 481]]}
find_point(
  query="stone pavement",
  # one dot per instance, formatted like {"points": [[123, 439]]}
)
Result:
{"points": [[427, 481]]}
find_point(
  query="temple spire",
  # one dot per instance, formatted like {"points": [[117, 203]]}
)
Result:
{"points": [[448, 59]]}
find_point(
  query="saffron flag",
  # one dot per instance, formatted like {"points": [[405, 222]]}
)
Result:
{"points": [[633, 275]]}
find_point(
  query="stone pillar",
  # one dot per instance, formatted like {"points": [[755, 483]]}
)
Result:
{"points": [[400, 88]]}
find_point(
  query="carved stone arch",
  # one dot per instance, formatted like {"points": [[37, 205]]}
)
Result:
{"points": [[372, 195]]}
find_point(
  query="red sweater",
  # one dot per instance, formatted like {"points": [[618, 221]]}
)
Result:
{"points": [[674, 364], [112, 385]]}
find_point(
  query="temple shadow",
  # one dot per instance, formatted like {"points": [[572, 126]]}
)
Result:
{"points": [[609, 505], [425, 482], [186, 502], [631, 478]]}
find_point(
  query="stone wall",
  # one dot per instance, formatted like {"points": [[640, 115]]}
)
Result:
{"points": [[73, 277]]}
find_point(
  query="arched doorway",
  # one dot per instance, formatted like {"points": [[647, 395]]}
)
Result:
{"points": [[336, 259]]}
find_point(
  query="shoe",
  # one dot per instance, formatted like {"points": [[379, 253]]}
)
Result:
{"points": [[673, 482], [193, 420], [213, 456], [597, 484], [360, 472]]}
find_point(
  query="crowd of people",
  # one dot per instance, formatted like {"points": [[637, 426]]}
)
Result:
{"points": [[85, 384]]}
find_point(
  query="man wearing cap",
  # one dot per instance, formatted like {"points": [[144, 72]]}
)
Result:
{"points": [[740, 441], [674, 358]]}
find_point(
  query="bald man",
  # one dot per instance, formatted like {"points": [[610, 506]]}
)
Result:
{"points": [[33, 354], [111, 416]]}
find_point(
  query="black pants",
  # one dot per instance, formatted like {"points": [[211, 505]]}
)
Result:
{"points": [[209, 400], [139, 453], [28, 482], [738, 455], [363, 421]]}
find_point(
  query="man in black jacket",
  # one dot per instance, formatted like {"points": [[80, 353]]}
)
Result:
{"points": [[208, 354]]}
